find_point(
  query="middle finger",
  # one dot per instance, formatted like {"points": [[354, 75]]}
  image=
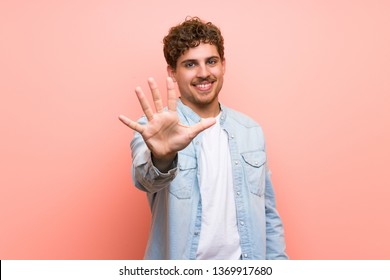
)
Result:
{"points": [[156, 95]]}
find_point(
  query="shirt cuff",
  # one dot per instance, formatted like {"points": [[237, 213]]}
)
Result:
{"points": [[171, 172]]}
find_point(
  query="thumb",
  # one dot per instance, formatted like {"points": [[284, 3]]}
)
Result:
{"points": [[202, 125]]}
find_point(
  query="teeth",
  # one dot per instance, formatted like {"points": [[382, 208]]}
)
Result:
{"points": [[203, 85]]}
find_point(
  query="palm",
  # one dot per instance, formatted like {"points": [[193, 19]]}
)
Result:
{"points": [[164, 134]]}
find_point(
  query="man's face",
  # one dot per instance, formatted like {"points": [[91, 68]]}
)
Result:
{"points": [[199, 76]]}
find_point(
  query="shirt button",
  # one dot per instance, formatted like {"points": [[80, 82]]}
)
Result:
{"points": [[236, 162], [256, 162], [245, 255], [242, 223], [197, 143], [238, 193], [232, 136]]}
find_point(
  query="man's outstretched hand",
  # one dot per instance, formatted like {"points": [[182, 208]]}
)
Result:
{"points": [[163, 133]]}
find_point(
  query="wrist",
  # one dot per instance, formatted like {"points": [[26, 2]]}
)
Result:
{"points": [[165, 163]]}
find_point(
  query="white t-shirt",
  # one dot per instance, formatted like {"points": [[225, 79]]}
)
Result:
{"points": [[219, 237]]}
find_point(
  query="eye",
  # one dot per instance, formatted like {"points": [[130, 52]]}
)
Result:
{"points": [[212, 61], [189, 64]]}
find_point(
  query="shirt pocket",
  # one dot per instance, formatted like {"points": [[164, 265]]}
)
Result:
{"points": [[254, 170], [181, 187]]}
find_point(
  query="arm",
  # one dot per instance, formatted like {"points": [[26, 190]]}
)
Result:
{"points": [[146, 176], [158, 138], [276, 246]]}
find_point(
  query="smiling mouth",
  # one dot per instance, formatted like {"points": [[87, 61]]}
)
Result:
{"points": [[204, 86]]}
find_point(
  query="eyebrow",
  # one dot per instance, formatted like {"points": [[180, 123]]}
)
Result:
{"points": [[196, 60], [189, 61]]}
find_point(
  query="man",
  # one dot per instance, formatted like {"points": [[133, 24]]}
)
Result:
{"points": [[202, 165]]}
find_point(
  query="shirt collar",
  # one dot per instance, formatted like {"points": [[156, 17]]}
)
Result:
{"points": [[194, 116]]}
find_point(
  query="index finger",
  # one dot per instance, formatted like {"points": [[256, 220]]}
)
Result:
{"points": [[171, 92]]}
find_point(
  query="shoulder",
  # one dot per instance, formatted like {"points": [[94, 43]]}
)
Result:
{"points": [[240, 118], [248, 132]]}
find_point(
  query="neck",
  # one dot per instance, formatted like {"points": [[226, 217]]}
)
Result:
{"points": [[206, 111]]}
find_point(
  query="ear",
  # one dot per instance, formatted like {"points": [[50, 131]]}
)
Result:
{"points": [[171, 73]]}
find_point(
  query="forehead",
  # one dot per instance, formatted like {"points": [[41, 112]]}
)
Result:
{"points": [[201, 52]]}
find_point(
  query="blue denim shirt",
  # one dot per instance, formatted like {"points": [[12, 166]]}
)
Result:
{"points": [[175, 202]]}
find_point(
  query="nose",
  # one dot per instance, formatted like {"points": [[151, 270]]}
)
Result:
{"points": [[203, 71]]}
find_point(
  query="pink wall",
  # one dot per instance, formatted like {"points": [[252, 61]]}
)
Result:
{"points": [[315, 74]]}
